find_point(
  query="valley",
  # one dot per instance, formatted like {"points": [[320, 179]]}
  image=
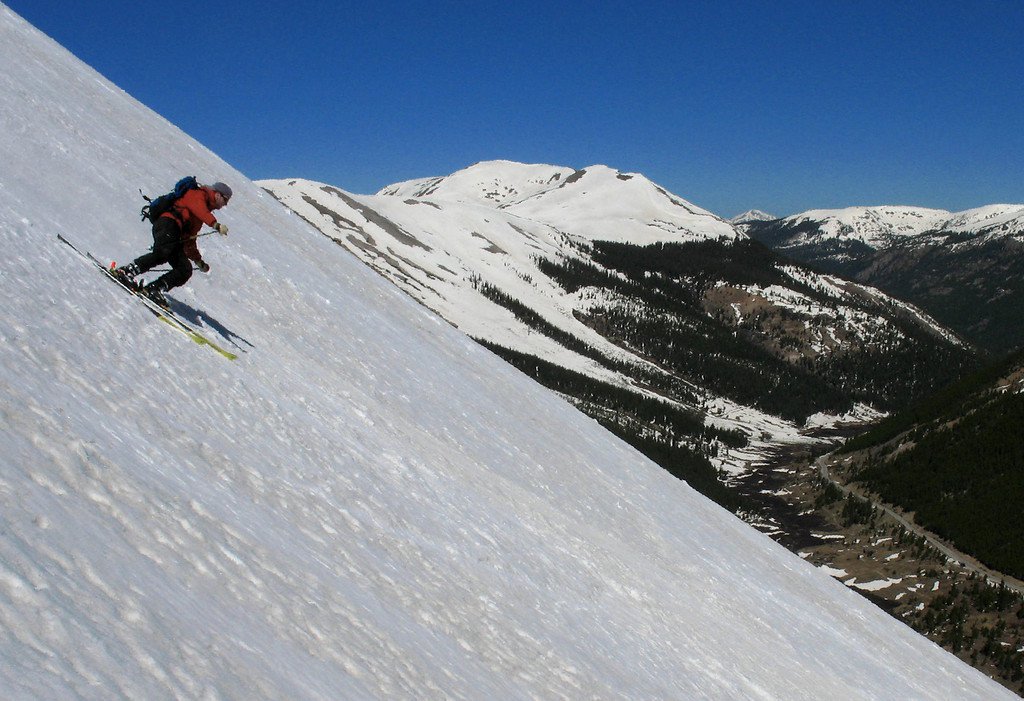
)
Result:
{"points": [[875, 550]]}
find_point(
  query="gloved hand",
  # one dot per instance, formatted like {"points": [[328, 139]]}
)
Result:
{"points": [[203, 265], [222, 229]]}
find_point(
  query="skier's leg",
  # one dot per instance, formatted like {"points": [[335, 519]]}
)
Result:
{"points": [[166, 240], [179, 274]]}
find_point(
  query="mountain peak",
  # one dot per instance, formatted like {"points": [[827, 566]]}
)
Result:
{"points": [[752, 215], [595, 203], [493, 183]]}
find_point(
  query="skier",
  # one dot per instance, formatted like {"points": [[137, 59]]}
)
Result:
{"points": [[174, 240]]}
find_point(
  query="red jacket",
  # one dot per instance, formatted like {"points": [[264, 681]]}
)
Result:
{"points": [[191, 211]]}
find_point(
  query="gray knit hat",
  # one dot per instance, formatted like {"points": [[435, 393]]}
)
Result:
{"points": [[222, 189]]}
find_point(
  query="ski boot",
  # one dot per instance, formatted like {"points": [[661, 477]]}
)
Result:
{"points": [[155, 291], [125, 274]]}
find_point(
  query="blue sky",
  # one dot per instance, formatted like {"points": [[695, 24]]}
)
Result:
{"points": [[778, 105]]}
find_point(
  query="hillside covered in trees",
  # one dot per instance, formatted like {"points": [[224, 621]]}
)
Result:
{"points": [[956, 461], [704, 311]]}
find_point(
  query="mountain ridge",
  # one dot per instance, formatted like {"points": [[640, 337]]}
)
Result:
{"points": [[647, 214], [966, 269], [883, 226], [752, 215]]}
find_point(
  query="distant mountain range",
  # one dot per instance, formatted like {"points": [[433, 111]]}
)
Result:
{"points": [[663, 321], [966, 269]]}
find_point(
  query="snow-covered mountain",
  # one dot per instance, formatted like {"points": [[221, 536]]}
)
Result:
{"points": [[883, 227], [596, 203], [965, 268], [752, 215], [365, 504], [514, 256], [494, 183]]}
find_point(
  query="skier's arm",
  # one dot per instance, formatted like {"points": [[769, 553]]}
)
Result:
{"points": [[195, 202], [192, 250]]}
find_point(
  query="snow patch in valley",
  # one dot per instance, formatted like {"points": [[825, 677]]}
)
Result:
{"points": [[860, 414]]}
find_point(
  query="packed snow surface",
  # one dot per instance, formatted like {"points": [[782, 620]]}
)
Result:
{"points": [[365, 504]]}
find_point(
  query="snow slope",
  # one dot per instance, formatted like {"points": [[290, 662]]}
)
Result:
{"points": [[434, 248], [365, 504]]}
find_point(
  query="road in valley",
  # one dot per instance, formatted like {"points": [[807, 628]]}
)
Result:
{"points": [[964, 560]]}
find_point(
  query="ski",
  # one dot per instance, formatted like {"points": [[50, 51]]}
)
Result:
{"points": [[165, 315]]}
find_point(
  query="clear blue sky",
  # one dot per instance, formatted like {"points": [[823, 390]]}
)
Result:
{"points": [[771, 104]]}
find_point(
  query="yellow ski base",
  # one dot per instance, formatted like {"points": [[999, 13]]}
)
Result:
{"points": [[201, 340]]}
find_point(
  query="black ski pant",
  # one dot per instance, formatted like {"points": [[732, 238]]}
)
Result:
{"points": [[168, 247]]}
